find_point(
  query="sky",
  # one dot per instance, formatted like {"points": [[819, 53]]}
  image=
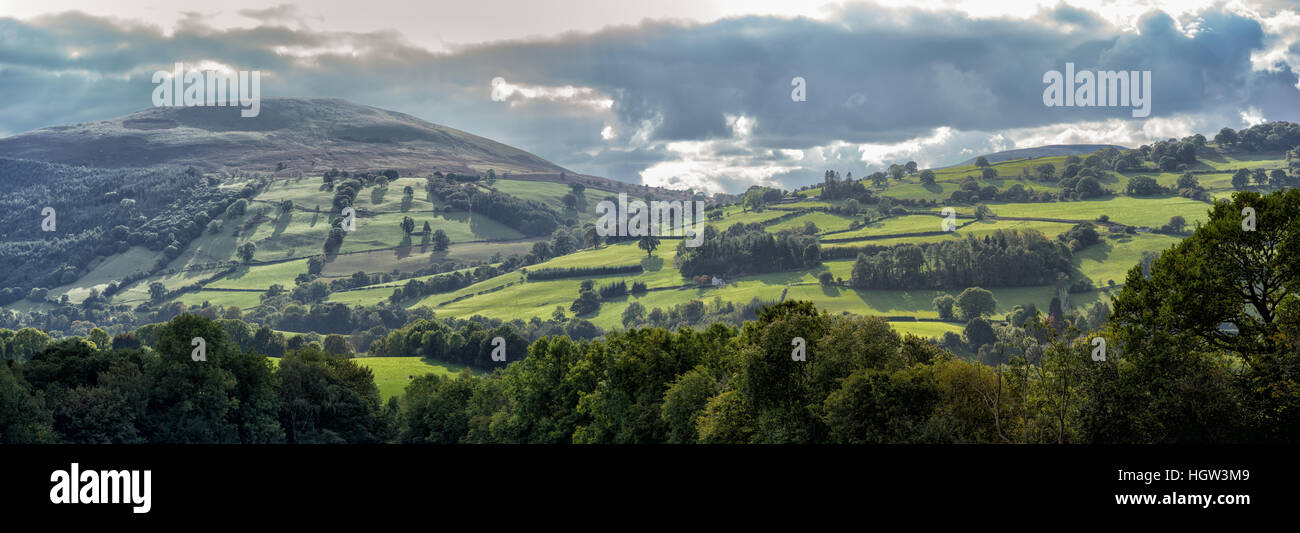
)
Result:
{"points": [[686, 94]]}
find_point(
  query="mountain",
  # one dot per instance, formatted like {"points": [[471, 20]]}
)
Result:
{"points": [[300, 133], [1042, 151]]}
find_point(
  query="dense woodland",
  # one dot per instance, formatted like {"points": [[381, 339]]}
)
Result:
{"points": [[98, 213], [1003, 259], [747, 248]]}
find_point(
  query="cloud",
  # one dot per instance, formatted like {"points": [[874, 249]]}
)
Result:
{"points": [[706, 105], [503, 91]]}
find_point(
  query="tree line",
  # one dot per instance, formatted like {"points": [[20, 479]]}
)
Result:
{"points": [[1005, 258]]}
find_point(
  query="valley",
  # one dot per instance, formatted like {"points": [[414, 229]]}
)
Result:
{"points": [[288, 218]]}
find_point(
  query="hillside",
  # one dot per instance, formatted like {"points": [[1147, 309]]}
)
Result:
{"points": [[1041, 151], [289, 135]]}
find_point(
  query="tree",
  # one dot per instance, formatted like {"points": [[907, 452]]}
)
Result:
{"points": [[989, 173], [826, 278], [1223, 292], [427, 228], [633, 314], [591, 237], [588, 302], [408, 225], [22, 419], [193, 402], [944, 305], [157, 291], [1143, 186], [1277, 178], [1176, 224], [683, 403], [1089, 187], [99, 338], [1241, 179], [981, 161], [648, 243], [27, 342], [897, 171], [974, 302], [852, 206], [1225, 137], [336, 344], [927, 177], [309, 378], [978, 333], [245, 252], [440, 240], [911, 167]]}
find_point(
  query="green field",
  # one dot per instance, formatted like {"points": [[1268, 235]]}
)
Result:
{"points": [[393, 373], [1150, 212], [110, 269], [926, 329], [824, 222], [262, 276], [1111, 259]]}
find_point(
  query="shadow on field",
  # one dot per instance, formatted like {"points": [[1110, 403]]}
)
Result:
{"points": [[652, 264], [238, 273], [282, 222]]}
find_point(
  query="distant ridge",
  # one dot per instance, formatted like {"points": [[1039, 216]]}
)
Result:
{"points": [[1041, 151]]}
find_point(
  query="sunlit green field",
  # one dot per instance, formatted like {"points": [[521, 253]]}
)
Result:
{"points": [[1111, 259], [1150, 212], [242, 300], [262, 276], [926, 329], [393, 373], [824, 222]]}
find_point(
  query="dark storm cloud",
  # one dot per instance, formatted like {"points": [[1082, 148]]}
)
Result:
{"points": [[874, 75]]}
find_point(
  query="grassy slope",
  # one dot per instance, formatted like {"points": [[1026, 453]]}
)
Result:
{"points": [[275, 236]]}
